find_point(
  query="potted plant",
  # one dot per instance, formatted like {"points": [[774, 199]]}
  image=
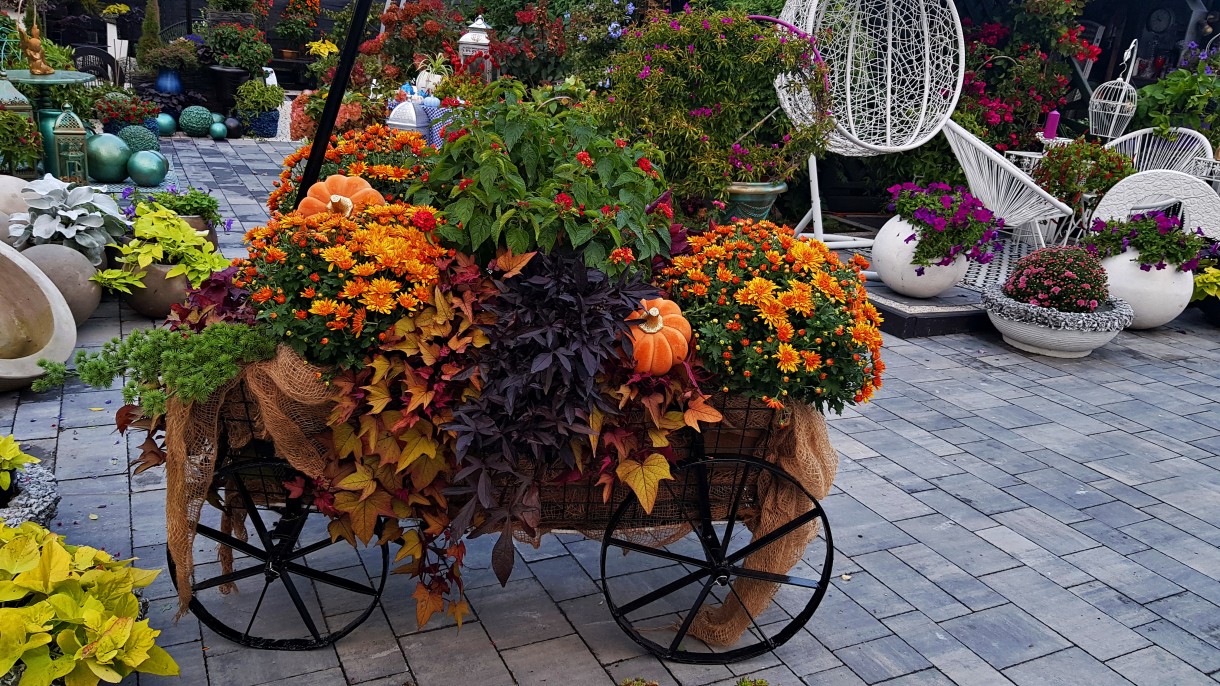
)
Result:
{"points": [[258, 107], [111, 13], [20, 145], [1207, 294], [87, 610], [1080, 172], [432, 71], [1149, 260], [239, 54], [72, 214], [922, 251], [1056, 302], [164, 259], [295, 30], [195, 206], [168, 61], [124, 110], [29, 492]]}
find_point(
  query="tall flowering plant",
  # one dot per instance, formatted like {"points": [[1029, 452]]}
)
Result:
{"points": [[1160, 240], [777, 317], [948, 222]]}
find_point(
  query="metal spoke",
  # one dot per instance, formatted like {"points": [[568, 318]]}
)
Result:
{"points": [[693, 526], [257, 606], [749, 614], [775, 578], [234, 543], [228, 578], [329, 579], [309, 549], [782, 531], [252, 512], [300, 604], [732, 519], [657, 552], [653, 596], [690, 616]]}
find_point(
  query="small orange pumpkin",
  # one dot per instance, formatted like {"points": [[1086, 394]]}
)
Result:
{"points": [[341, 195], [661, 339]]}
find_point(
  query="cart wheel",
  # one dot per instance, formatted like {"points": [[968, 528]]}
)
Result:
{"points": [[656, 592], [285, 588]]}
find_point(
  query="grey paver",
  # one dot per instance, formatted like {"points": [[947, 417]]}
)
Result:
{"points": [[914, 588], [431, 656], [503, 611], [945, 652], [1005, 636], [1127, 577], [1189, 648], [1045, 531], [1066, 668], [962, 547], [883, 658], [537, 664], [1154, 666]]}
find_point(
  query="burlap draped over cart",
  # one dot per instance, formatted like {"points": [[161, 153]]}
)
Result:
{"points": [[285, 402]]}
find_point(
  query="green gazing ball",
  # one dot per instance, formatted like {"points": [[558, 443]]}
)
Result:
{"points": [[218, 118], [139, 138], [196, 121], [147, 168], [218, 131], [166, 124], [107, 155]]}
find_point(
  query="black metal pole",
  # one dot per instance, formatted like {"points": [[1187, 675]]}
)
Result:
{"points": [[321, 139]]}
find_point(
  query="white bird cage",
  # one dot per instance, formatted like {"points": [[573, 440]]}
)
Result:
{"points": [[896, 69], [1113, 103]]}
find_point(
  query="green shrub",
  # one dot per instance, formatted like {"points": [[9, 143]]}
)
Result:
{"points": [[139, 138]]}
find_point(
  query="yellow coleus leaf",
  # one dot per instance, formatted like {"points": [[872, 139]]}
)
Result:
{"points": [[644, 478], [347, 441], [596, 419]]}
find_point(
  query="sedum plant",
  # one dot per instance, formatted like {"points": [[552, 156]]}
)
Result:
{"points": [[70, 612], [71, 214]]}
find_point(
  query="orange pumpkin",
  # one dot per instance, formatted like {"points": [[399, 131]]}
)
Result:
{"points": [[341, 195], [661, 338]]}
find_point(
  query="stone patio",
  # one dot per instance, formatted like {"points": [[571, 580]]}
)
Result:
{"points": [[998, 518]]}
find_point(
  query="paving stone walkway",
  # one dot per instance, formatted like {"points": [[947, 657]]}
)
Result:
{"points": [[999, 518]]}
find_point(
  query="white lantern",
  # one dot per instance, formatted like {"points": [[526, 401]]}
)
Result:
{"points": [[477, 42], [410, 116]]}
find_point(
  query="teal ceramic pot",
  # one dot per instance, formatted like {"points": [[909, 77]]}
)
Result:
{"points": [[46, 126], [218, 131], [147, 168], [107, 155], [218, 118], [166, 125]]}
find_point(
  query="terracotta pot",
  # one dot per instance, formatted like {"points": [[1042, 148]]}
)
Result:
{"points": [[197, 223], [35, 321], [159, 293], [290, 54]]}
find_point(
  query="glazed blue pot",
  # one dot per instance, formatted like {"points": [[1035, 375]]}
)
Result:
{"points": [[168, 81], [264, 125]]}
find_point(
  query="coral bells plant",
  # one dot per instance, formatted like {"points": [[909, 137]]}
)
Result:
{"points": [[1081, 167], [948, 222], [389, 160], [1068, 279], [329, 285], [778, 317], [1159, 239]]}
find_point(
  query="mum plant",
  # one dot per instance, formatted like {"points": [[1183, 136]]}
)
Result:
{"points": [[1068, 279], [698, 83], [779, 318], [70, 214], [1081, 168], [388, 159], [948, 222], [1160, 240], [530, 171], [70, 612]]}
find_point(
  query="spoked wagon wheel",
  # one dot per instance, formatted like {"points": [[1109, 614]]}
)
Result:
{"points": [[656, 592], [291, 587]]}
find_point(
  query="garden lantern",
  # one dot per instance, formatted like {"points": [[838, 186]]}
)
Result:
{"points": [[476, 42], [410, 116], [1113, 103], [70, 147]]}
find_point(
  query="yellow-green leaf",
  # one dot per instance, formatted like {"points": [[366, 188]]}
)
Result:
{"points": [[644, 478], [347, 442], [362, 480], [378, 397]]}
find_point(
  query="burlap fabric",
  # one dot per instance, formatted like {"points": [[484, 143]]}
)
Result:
{"points": [[281, 400]]}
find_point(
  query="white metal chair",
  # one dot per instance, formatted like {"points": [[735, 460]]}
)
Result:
{"points": [[1004, 189], [1150, 150]]}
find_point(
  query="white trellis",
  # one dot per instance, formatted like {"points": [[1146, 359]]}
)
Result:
{"points": [[896, 70]]}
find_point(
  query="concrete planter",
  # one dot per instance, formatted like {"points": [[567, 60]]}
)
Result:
{"points": [[159, 293], [1047, 331], [35, 321], [69, 270], [892, 259], [1157, 296]]}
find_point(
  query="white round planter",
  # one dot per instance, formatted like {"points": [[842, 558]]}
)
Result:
{"points": [[1047, 331], [1157, 296], [892, 256]]}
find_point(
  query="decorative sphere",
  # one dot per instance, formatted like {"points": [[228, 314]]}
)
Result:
{"points": [[196, 121], [432, 101], [166, 124], [218, 131], [147, 168], [139, 138], [218, 118], [107, 155], [235, 127]]}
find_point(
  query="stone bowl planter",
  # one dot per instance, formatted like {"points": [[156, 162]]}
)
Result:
{"points": [[159, 293], [37, 497], [69, 270], [35, 321], [1047, 331], [11, 202]]}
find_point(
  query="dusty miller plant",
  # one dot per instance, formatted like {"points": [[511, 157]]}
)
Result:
{"points": [[69, 214]]}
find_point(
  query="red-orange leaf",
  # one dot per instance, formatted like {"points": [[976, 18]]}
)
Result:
{"points": [[699, 411]]}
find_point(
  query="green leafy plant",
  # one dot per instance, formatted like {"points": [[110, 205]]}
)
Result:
{"points": [[1080, 168], [948, 222], [162, 237], [233, 45], [139, 138], [70, 612], [531, 171], [1160, 240], [1184, 97], [186, 202], [115, 10], [125, 111], [1068, 279], [1207, 284], [180, 54], [12, 459], [699, 83], [20, 142], [295, 30], [70, 214], [255, 97], [231, 5]]}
